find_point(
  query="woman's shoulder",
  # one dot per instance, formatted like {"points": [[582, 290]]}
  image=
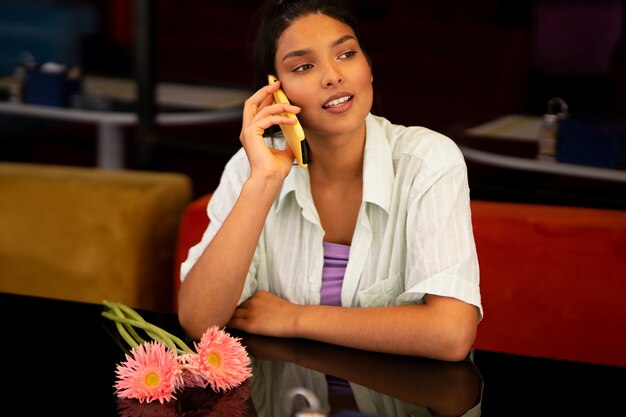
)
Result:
{"points": [[416, 141]]}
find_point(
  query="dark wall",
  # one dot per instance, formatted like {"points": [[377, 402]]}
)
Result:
{"points": [[435, 62]]}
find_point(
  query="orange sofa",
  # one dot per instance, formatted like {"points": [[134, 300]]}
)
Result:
{"points": [[553, 278]]}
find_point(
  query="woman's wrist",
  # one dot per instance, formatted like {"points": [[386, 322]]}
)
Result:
{"points": [[269, 179], [263, 184]]}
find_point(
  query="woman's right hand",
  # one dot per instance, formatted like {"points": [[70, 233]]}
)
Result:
{"points": [[259, 113]]}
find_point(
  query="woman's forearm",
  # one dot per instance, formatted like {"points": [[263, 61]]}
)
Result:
{"points": [[210, 291], [443, 329]]}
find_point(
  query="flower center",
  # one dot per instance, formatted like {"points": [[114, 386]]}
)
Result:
{"points": [[214, 359], [152, 379]]}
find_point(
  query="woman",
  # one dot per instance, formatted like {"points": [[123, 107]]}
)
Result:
{"points": [[371, 246]]}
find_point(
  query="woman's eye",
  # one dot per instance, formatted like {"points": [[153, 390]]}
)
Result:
{"points": [[303, 68], [347, 55]]}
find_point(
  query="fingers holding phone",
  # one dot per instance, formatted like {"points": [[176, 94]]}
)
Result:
{"points": [[262, 105], [259, 113]]}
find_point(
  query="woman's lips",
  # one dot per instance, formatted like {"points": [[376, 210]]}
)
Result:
{"points": [[336, 102]]}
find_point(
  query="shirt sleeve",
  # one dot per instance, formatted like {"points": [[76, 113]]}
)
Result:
{"points": [[235, 173], [441, 252]]}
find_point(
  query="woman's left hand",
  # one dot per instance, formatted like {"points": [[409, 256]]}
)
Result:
{"points": [[266, 314]]}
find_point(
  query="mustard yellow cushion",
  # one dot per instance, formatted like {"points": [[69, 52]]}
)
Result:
{"points": [[87, 234]]}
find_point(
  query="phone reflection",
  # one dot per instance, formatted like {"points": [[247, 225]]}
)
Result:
{"points": [[367, 382]]}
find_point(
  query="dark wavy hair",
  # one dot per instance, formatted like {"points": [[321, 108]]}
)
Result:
{"points": [[277, 15]]}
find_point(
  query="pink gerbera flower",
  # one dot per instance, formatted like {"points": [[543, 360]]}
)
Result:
{"points": [[222, 360], [150, 372]]}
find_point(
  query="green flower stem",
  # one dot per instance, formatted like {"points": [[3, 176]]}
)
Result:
{"points": [[129, 329], [125, 323], [121, 310], [126, 336], [162, 333], [156, 332], [130, 312]]}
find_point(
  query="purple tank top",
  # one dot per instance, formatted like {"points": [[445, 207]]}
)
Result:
{"points": [[335, 262]]}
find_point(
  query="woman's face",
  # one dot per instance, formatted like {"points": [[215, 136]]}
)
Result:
{"points": [[324, 71]]}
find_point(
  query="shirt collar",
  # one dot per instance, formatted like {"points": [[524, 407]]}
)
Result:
{"points": [[378, 174], [298, 183]]}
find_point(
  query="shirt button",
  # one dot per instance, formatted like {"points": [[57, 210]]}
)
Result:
{"points": [[312, 279]]}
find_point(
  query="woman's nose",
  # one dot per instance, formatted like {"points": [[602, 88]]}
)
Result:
{"points": [[332, 76]]}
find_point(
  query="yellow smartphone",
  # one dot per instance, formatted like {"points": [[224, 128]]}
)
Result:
{"points": [[294, 134]]}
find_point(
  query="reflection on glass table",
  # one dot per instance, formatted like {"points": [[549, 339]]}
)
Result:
{"points": [[347, 379]]}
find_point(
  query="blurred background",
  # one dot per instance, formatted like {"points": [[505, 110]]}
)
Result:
{"points": [[443, 64]]}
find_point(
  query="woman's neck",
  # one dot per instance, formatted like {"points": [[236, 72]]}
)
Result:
{"points": [[336, 174], [337, 158]]}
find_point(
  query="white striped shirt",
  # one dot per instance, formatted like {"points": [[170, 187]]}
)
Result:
{"points": [[413, 234]]}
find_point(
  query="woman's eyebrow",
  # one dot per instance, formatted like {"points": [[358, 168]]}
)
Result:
{"points": [[342, 39], [296, 53], [302, 52]]}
